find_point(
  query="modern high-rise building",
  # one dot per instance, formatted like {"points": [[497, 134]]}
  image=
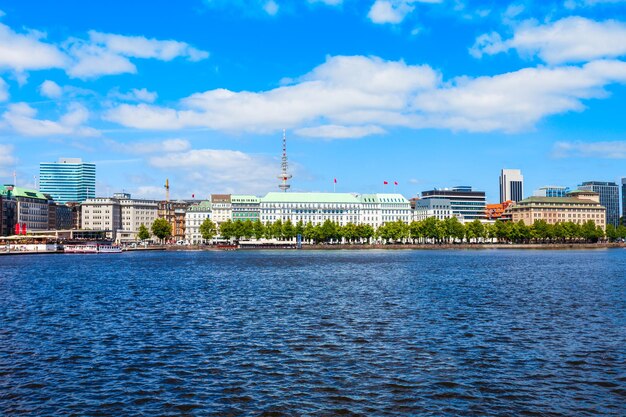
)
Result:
{"points": [[68, 180], [551, 191], [511, 185], [624, 198], [466, 204], [609, 198]]}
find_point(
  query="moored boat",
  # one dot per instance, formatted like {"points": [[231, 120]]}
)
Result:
{"points": [[91, 248]]}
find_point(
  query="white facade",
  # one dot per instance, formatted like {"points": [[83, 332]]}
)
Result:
{"points": [[511, 185], [194, 217], [102, 214], [440, 208], [341, 208], [135, 213], [221, 208]]}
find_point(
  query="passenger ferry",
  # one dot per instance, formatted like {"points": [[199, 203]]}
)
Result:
{"points": [[91, 248]]}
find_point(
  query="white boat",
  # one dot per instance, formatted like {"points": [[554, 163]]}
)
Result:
{"points": [[91, 248]]}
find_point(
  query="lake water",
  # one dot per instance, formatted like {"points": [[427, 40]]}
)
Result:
{"points": [[439, 333]]}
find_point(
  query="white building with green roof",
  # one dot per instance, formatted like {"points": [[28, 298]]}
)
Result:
{"points": [[341, 208], [196, 214], [245, 207]]}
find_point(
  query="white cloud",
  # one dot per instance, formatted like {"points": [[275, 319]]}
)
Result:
{"points": [[22, 52], [7, 160], [219, 170], [168, 145], [574, 4], [139, 95], [271, 7], [572, 39], [339, 132], [606, 150], [4, 90], [393, 11], [517, 100], [50, 89], [22, 118], [343, 88], [355, 96], [328, 2]]}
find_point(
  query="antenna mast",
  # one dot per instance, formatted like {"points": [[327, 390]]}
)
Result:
{"points": [[284, 175]]}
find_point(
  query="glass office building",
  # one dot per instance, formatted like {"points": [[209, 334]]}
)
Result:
{"points": [[68, 180], [609, 198], [551, 191], [465, 203]]}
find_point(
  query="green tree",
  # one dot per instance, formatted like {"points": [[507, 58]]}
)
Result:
{"points": [[365, 232], [277, 229], [161, 229], [300, 228], [310, 233], [227, 229], [143, 232], [329, 231], [541, 230], [474, 230], [350, 232], [621, 231], [611, 233], [247, 229], [259, 229], [288, 230], [208, 229]]}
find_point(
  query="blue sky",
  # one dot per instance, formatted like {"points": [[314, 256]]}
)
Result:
{"points": [[430, 93]]}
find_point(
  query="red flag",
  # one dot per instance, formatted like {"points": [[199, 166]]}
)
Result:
{"points": [[17, 228], [335, 180], [193, 196], [23, 228], [385, 182], [395, 183]]}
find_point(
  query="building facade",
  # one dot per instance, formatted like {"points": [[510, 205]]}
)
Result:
{"points": [[439, 208], [135, 213], [195, 216], [245, 207], [341, 208], [498, 211], [68, 179], [31, 207], [8, 217], [511, 185], [102, 213], [609, 198], [624, 198], [174, 213], [551, 191], [467, 205], [578, 207]]}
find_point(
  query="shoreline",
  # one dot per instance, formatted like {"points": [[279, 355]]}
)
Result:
{"points": [[423, 247]]}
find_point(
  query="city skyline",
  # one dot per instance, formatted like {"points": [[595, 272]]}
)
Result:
{"points": [[428, 94]]}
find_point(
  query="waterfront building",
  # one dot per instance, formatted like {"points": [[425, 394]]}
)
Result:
{"points": [[174, 213], [624, 198], [498, 211], [134, 213], [578, 207], [511, 185], [222, 208], [8, 209], [467, 205], [31, 207], [609, 198], [245, 207], [195, 216], [102, 213], [551, 191], [341, 208], [439, 208], [68, 179]]}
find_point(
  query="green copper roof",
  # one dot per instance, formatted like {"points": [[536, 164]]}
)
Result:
{"points": [[23, 192], [310, 198], [555, 200], [201, 206]]}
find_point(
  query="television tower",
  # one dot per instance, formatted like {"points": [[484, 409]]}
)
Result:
{"points": [[284, 175]]}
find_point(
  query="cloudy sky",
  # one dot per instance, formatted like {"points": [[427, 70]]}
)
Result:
{"points": [[428, 93]]}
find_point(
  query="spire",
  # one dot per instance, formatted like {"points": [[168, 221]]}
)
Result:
{"points": [[284, 175]]}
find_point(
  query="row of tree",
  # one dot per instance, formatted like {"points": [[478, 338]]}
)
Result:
{"points": [[430, 230]]}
